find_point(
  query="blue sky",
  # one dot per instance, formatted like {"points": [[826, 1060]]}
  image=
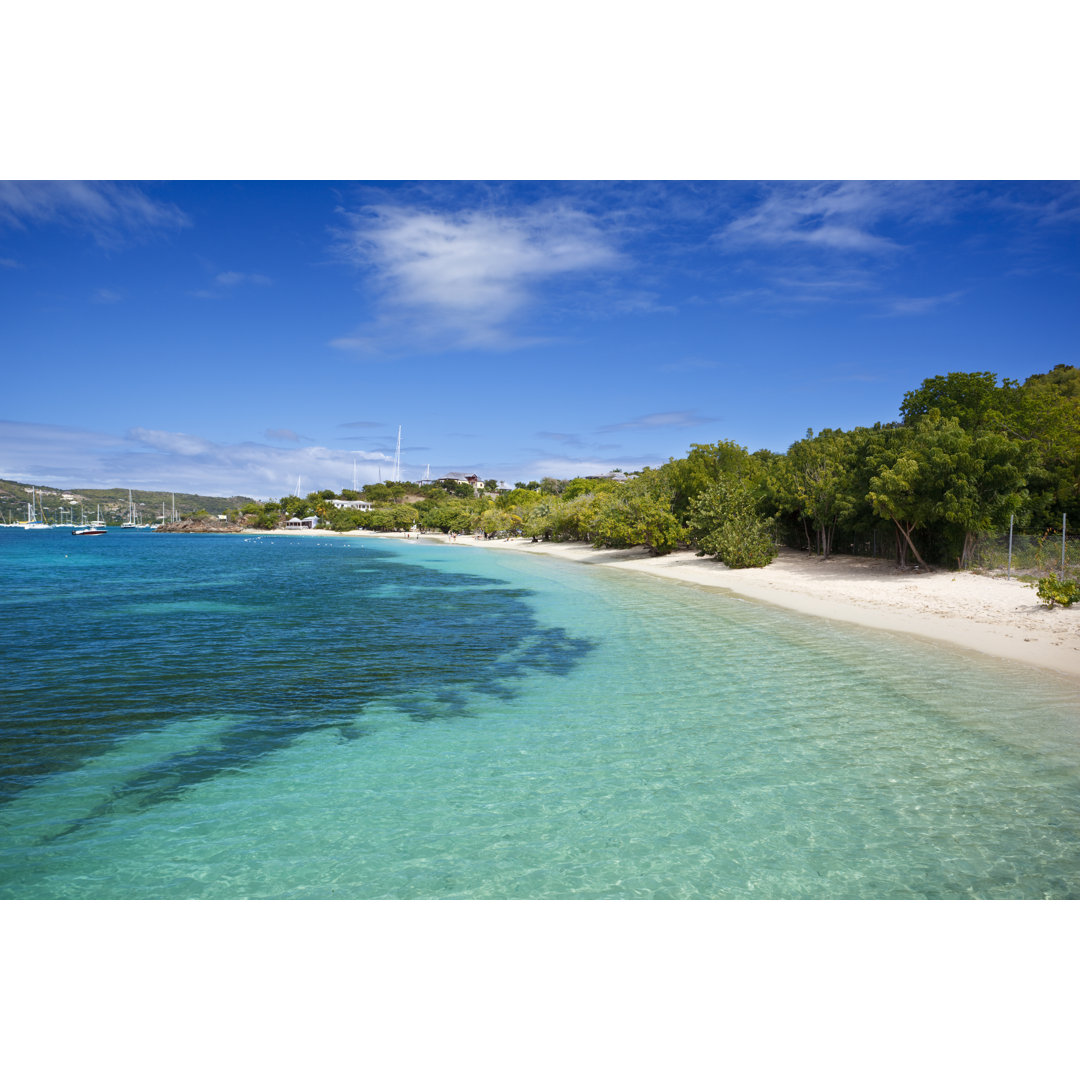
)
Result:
{"points": [[230, 337]]}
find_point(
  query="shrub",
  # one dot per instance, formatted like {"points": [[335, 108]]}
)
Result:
{"points": [[724, 521], [1051, 591]]}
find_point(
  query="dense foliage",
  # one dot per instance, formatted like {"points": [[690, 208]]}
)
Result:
{"points": [[968, 453], [1051, 591], [725, 522]]}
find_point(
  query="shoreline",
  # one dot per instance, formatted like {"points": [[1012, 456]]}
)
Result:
{"points": [[965, 610]]}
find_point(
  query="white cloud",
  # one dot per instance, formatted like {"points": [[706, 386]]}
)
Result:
{"points": [[838, 217], [107, 296], [173, 442], [174, 461], [466, 278], [110, 212]]}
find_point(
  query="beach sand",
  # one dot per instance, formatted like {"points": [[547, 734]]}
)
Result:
{"points": [[977, 612]]}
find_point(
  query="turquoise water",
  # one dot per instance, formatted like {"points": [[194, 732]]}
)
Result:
{"points": [[201, 716]]}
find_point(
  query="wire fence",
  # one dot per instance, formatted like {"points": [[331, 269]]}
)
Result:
{"points": [[1034, 555], [1012, 554]]}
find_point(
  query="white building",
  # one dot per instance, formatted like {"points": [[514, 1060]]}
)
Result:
{"points": [[350, 504]]}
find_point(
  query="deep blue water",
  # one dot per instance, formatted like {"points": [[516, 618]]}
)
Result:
{"points": [[224, 716]]}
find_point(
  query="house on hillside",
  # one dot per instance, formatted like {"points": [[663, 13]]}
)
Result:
{"points": [[350, 504], [461, 478]]}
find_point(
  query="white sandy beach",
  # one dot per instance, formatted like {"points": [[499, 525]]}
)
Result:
{"points": [[989, 615]]}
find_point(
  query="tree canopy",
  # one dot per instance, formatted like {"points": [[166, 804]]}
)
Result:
{"points": [[968, 453]]}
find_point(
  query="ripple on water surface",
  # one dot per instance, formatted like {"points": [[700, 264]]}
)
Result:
{"points": [[393, 720]]}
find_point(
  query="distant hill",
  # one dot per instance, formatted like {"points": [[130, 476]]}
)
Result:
{"points": [[15, 494]]}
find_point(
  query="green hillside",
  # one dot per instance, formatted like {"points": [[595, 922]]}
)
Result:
{"points": [[79, 502]]}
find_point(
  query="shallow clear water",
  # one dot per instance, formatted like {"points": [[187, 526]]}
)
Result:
{"points": [[199, 716]]}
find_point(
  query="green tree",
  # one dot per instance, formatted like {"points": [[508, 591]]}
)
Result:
{"points": [[972, 398], [702, 467], [451, 515], [725, 522], [813, 481], [637, 512], [934, 473], [1047, 421], [493, 521], [582, 485]]}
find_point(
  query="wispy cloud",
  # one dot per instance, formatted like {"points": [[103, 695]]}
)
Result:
{"points": [[578, 442], [10, 264], [918, 305], [363, 424], [112, 213], [225, 283], [466, 279], [643, 302], [562, 437], [284, 435], [660, 420], [795, 296], [1050, 205], [844, 217], [231, 278], [107, 296]]}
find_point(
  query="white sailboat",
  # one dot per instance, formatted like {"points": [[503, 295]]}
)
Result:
{"points": [[31, 514], [130, 523]]}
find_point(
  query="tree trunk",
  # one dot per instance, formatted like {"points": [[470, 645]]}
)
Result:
{"points": [[970, 540], [914, 550], [828, 535]]}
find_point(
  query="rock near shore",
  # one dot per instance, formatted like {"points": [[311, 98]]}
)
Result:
{"points": [[200, 525]]}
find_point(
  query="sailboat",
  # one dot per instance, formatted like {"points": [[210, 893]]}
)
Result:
{"points": [[131, 522], [31, 514]]}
